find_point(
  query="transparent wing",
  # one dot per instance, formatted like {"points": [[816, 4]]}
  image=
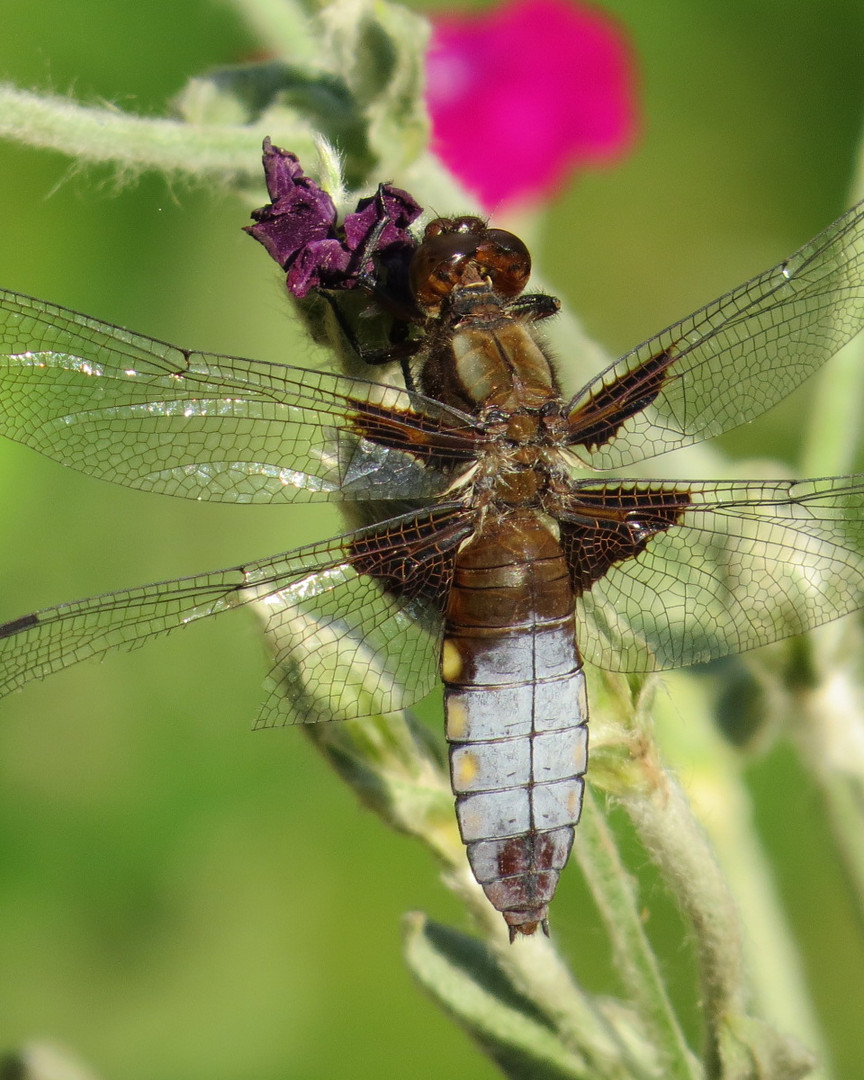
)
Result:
{"points": [[731, 360], [348, 640], [745, 564], [146, 414]]}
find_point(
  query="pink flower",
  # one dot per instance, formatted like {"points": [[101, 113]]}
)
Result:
{"points": [[523, 94]]}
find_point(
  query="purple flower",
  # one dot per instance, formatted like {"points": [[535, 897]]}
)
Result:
{"points": [[522, 94], [299, 230]]}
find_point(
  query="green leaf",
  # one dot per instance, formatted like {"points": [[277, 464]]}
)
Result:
{"points": [[379, 49], [464, 977], [751, 1050]]}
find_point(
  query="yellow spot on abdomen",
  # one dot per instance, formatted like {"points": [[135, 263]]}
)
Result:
{"points": [[466, 771], [451, 661], [457, 719]]}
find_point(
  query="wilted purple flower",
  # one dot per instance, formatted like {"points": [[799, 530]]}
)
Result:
{"points": [[299, 230], [522, 94]]}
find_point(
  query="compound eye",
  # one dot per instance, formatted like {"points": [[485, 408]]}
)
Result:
{"points": [[505, 260], [465, 224], [458, 252], [437, 265]]}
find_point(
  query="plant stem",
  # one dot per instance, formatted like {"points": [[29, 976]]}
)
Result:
{"points": [[669, 830], [134, 144], [634, 957]]}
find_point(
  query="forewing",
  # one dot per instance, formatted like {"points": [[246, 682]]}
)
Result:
{"points": [[145, 414], [731, 360], [714, 568], [347, 642]]}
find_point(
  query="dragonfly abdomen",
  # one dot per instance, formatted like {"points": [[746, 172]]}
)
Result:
{"points": [[516, 712]]}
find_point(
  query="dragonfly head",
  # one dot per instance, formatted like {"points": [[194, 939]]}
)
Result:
{"points": [[460, 252]]}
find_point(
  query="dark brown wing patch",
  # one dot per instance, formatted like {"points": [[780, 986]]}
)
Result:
{"points": [[608, 525], [404, 429], [415, 557], [599, 419]]}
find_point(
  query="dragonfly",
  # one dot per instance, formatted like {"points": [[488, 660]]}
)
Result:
{"points": [[513, 553]]}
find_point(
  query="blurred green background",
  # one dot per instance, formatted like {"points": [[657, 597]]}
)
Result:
{"points": [[179, 897]]}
